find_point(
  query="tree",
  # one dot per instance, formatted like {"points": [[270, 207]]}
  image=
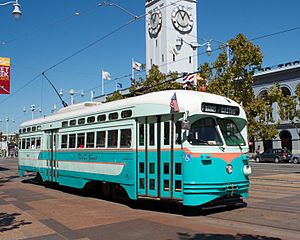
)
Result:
{"points": [[154, 82], [234, 79], [116, 96]]}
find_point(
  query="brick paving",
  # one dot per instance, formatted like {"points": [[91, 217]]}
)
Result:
{"points": [[29, 211]]}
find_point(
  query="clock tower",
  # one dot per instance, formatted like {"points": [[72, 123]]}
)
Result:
{"points": [[171, 33]]}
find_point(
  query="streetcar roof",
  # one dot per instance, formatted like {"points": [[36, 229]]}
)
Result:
{"points": [[156, 103]]}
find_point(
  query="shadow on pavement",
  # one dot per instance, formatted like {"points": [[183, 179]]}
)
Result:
{"points": [[163, 206], [4, 169], [8, 221], [200, 236]]}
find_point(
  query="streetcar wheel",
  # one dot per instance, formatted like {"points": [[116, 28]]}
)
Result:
{"points": [[295, 160], [257, 159], [38, 178], [106, 190], [276, 160]]}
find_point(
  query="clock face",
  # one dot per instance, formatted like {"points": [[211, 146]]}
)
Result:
{"points": [[155, 22], [182, 19]]}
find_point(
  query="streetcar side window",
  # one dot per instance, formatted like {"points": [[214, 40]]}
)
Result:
{"points": [[80, 140], [23, 143], [81, 121], [33, 143], [90, 140], [125, 138], [72, 122], [166, 133], [72, 138], [101, 118], [91, 119], [178, 128], [100, 140], [112, 138], [151, 134], [38, 142], [27, 143], [142, 135], [64, 141]]}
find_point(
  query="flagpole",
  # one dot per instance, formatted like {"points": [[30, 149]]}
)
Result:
{"points": [[92, 95], [132, 69], [102, 88]]}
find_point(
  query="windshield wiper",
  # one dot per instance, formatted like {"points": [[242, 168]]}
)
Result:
{"points": [[235, 139]]}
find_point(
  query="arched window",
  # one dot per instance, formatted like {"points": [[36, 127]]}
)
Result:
{"points": [[286, 91], [268, 114], [286, 139]]}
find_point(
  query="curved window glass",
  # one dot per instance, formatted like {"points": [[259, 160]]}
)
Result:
{"points": [[81, 121], [231, 133], [101, 118], [126, 114], [91, 119], [204, 132], [113, 116]]}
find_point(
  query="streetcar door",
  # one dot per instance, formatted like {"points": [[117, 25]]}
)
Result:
{"points": [[166, 157], [152, 157], [52, 163], [148, 156], [171, 158]]}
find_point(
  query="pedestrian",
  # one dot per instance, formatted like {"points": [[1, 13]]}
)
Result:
{"points": [[258, 149]]}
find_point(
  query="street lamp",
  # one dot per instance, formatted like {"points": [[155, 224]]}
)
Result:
{"points": [[111, 4], [195, 45], [32, 109], [17, 8], [72, 93]]}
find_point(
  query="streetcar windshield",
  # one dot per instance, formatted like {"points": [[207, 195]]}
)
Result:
{"points": [[230, 133], [204, 132]]}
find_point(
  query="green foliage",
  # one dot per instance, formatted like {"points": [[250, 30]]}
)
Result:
{"points": [[154, 82], [234, 79], [116, 96]]}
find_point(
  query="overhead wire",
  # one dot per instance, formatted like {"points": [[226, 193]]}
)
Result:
{"points": [[83, 49], [64, 19], [118, 29]]}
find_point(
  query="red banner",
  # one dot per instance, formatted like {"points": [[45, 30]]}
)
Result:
{"points": [[4, 75]]}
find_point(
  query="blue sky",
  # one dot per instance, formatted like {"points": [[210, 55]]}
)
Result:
{"points": [[48, 32]]}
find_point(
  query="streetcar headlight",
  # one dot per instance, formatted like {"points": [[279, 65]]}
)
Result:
{"points": [[247, 170], [229, 168]]}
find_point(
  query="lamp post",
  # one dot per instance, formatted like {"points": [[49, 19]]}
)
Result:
{"points": [[72, 93], [32, 109], [7, 120], [17, 8], [195, 45]]}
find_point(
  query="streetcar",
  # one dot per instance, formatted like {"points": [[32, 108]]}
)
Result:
{"points": [[184, 146]]}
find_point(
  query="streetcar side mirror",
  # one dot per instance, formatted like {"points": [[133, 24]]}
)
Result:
{"points": [[186, 125]]}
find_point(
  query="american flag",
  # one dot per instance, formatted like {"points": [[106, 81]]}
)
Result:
{"points": [[174, 104], [188, 80]]}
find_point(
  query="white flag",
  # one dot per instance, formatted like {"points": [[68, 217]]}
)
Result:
{"points": [[136, 66], [105, 75]]}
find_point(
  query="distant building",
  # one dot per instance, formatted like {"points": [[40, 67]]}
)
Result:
{"points": [[288, 75], [7, 145]]}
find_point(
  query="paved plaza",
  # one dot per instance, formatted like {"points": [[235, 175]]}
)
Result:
{"points": [[32, 211]]}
